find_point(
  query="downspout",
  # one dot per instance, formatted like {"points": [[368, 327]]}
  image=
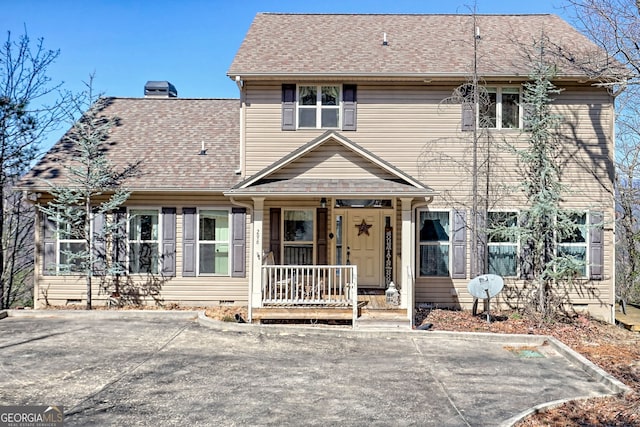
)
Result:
{"points": [[414, 209], [240, 84], [249, 208], [612, 312]]}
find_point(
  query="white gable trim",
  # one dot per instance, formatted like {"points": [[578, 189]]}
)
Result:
{"points": [[322, 139]]}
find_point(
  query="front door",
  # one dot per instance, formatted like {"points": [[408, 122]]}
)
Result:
{"points": [[363, 245]]}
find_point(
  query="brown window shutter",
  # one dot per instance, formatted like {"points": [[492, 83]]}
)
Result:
{"points": [[596, 246], [119, 263], [525, 260], [99, 245], [349, 107], [321, 233], [274, 233], [238, 236], [479, 266], [459, 245], [169, 242], [288, 107], [49, 245], [189, 217], [468, 119]]}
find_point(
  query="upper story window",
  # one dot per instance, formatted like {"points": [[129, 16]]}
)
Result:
{"points": [[502, 110], [320, 106]]}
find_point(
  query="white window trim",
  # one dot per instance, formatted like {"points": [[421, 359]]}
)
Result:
{"points": [[284, 243], [586, 244], [319, 107], [130, 209], [436, 243], [60, 241], [516, 243], [498, 91], [228, 242]]}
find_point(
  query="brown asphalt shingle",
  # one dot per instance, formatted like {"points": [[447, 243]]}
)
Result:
{"points": [[165, 135], [438, 45], [334, 187]]}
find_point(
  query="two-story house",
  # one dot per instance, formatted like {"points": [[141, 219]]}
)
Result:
{"points": [[349, 162]]}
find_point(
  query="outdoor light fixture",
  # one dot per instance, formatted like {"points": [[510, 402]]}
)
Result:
{"points": [[323, 202]]}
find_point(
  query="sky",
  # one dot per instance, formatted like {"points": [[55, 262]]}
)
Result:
{"points": [[191, 43]]}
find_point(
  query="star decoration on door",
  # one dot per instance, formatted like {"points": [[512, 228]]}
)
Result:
{"points": [[363, 228]]}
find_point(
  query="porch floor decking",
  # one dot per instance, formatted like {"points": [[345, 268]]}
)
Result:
{"points": [[631, 320], [371, 306]]}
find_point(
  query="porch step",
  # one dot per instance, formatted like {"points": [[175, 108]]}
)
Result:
{"points": [[383, 319]]}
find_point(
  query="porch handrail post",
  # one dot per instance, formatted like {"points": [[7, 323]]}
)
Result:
{"points": [[407, 290], [354, 294], [255, 280]]}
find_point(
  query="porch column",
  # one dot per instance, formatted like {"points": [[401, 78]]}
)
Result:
{"points": [[406, 250], [255, 282]]}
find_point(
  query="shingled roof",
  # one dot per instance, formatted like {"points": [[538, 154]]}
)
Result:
{"points": [[417, 45], [166, 136]]}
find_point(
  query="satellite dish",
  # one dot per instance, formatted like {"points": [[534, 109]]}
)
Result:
{"points": [[485, 286]]}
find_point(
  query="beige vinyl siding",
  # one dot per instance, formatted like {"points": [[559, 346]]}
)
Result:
{"points": [[597, 295], [188, 291], [331, 159], [410, 127]]}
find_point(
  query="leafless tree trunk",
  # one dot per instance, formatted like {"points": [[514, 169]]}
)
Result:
{"points": [[24, 122], [615, 26]]}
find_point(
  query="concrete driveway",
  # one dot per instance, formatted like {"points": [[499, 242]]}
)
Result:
{"points": [[171, 368]]}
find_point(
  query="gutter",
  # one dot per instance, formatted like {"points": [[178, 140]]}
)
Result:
{"points": [[424, 77]]}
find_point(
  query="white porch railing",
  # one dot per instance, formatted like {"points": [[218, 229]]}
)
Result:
{"points": [[329, 285]]}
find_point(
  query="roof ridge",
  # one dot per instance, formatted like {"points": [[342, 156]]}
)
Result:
{"points": [[401, 14], [138, 98]]}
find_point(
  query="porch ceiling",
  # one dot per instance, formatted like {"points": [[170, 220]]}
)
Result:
{"points": [[333, 187]]}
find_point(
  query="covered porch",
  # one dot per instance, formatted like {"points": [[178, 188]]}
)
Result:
{"points": [[328, 221], [327, 293]]}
